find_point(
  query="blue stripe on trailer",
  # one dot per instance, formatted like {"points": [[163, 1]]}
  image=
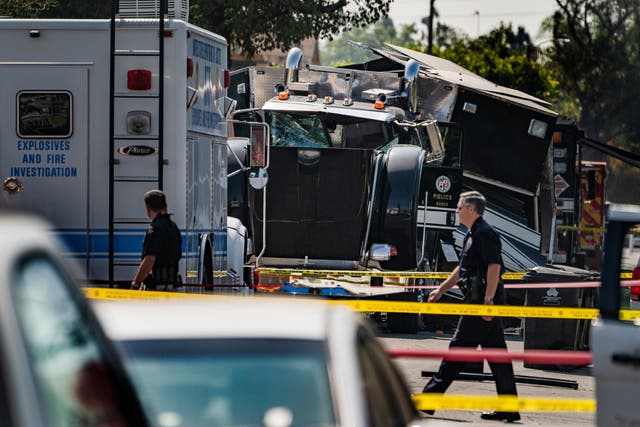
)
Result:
{"points": [[127, 242]]}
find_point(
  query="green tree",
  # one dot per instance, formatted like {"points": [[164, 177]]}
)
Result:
{"points": [[599, 67], [257, 25], [503, 56], [55, 8], [342, 50], [251, 25]]}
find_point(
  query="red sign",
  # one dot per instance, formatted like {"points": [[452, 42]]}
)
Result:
{"points": [[559, 184]]}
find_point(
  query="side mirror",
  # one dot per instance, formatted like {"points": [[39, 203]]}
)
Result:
{"points": [[258, 150], [293, 58], [411, 70], [258, 178]]}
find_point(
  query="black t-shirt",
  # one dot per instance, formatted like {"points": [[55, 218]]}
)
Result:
{"points": [[480, 248], [163, 240]]}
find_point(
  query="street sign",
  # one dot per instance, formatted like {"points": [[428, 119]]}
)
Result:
{"points": [[559, 184]]}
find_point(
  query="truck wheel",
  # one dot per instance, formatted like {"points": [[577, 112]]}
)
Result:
{"points": [[407, 323]]}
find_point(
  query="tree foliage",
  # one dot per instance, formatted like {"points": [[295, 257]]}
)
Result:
{"points": [[256, 25], [599, 67], [503, 56], [251, 26], [341, 51], [599, 63], [55, 8]]}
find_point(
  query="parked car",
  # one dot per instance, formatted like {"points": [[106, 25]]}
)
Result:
{"points": [[57, 368], [254, 361], [615, 342]]}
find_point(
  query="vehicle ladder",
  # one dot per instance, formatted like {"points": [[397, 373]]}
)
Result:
{"points": [[130, 216]]}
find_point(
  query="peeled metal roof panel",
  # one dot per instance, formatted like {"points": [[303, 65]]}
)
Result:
{"points": [[453, 73]]}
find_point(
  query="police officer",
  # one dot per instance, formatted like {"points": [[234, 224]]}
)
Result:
{"points": [[161, 249], [478, 275]]}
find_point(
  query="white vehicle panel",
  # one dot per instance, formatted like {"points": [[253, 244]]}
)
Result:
{"points": [[223, 317], [47, 166], [616, 343], [73, 56], [617, 381]]}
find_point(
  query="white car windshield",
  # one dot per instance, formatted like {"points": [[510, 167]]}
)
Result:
{"points": [[231, 382]]}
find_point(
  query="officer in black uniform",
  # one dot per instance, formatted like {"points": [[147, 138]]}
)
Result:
{"points": [[478, 276], [161, 249]]}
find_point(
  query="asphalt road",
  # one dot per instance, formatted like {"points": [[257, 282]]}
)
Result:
{"points": [[413, 368]]}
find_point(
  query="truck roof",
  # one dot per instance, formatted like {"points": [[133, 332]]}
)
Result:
{"points": [[100, 24], [298, 103], [453, 73]]}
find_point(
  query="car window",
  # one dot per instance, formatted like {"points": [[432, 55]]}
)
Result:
{"points": [[74, 382], [231, 382], [386, 395]]}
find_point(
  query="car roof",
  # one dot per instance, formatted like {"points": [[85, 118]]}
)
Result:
{"points": [[21, 230], [222, 317]]}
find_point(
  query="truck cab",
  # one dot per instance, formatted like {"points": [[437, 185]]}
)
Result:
{"points": [[348, 169], [615, 337]]}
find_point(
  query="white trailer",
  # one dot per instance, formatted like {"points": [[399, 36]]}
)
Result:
{"points": [[96, 112]]}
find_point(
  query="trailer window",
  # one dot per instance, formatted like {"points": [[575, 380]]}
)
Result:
{"points": [[44, 114]]}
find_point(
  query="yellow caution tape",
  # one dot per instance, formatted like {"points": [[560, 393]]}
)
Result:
{"points": [[510, 275], [129, 294], [193, 274], [373, 306], [629, 315], [371, 273], [594, 229], [513, 275], [502, 403], [353, 273], [577, 228]]}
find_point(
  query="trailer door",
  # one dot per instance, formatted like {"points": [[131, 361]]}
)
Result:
{"points": [[44, 145]]}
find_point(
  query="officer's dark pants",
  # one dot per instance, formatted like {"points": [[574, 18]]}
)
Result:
{"points": [[472, 332]]}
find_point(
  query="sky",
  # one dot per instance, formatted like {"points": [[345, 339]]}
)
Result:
{"points": [[476, 17]]}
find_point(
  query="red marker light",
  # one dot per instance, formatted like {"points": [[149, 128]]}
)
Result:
{"points": [[227, 79], [138, 79], [189, 67]]}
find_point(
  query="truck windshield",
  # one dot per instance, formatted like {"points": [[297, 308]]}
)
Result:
{"points": [[327, 130]]}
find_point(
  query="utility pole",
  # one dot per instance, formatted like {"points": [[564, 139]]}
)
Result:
{"points": [[431, 14]]}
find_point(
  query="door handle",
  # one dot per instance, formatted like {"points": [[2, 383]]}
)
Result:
{"points": [[12, 185], [626, 359]]}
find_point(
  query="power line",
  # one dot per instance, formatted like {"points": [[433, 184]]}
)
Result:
{"points": [[495, 15]]}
